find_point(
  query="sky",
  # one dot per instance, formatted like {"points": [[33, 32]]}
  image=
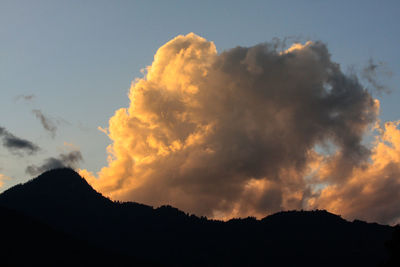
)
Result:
{"points": [[67, 67]]}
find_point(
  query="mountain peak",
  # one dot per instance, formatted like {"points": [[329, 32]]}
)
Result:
{"points": [[63, 176], [57, 182], [57, 188]]}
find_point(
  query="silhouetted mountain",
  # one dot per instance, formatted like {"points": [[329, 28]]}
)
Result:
{"points": [[393, 246], [28, 242], [168, 236]]}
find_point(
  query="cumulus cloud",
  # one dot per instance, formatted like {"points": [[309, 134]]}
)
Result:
{"points": [[48, 124], [71, 160], [16, 144], [242, 132]]}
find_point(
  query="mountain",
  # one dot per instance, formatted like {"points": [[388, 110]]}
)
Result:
{"points": [[28, 242], [142, 234]]}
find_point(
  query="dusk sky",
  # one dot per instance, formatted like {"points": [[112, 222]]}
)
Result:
{"points": [[200, 110]]}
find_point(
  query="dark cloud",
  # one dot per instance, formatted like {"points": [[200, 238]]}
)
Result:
{"points": [[71, 159], [47, 123], [16, 144]]}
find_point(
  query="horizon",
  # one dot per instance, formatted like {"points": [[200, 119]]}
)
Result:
{"points": [[167, 205]]}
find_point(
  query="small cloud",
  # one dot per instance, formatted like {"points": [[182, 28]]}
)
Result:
{"points": [[16, 144], [71, 146], [70, 159], [372, 73], [48, 124], [25, 97], [103, 130]]}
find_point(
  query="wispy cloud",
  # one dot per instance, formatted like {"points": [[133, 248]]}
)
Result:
{"points": [[25, 97], [48, 124], [372, 72]]}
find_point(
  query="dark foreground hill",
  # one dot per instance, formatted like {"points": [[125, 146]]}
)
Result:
{"points": [[136, 234], [28, 242]]}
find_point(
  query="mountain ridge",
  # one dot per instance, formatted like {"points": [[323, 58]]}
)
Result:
{"points": [[65, 201]]}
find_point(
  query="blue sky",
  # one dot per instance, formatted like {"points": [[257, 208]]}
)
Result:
{"points": [[79, 57]]}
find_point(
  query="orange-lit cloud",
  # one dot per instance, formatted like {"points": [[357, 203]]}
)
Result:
{"points": [[371, 190], [235, 134], [2, 179]]}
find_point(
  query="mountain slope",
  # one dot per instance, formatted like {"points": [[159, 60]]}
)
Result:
{"points": [[64, 200], [28, 242]]}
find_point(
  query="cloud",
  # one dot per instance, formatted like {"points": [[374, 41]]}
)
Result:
{"points": [[47, 123], [25, 97], [370, 191], [372, 71], [2, 179], [16, 144], [70, 159], [244, 132]]}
